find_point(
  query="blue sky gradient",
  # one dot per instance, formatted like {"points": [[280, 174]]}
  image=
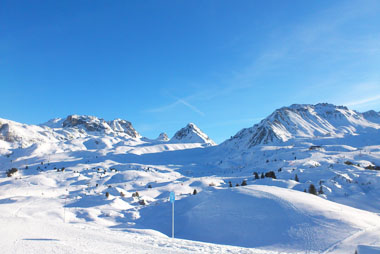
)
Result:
{"points": [[223, 65]]}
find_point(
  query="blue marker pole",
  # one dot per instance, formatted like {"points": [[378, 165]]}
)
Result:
{"points": [[172, 199]]}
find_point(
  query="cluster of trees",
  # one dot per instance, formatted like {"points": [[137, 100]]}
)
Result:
{"points": [[313, 190], [243, 183], [270, 174]]}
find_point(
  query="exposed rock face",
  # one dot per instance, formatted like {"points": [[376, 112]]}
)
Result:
{"points": [[191, 134], [119, 125], [91, 123]]}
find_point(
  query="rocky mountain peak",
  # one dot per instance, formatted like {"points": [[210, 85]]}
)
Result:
{"points": [[191, 134]]}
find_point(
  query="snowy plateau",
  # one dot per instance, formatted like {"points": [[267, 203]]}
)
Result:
{"points": [[82, 184]]}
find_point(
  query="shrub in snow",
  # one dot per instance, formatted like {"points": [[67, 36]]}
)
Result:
{"points": [[270, 174], [312, 189], [320, 190], [135, 195], [142, 202], [11, 172], [211, 184], [237, 185], [150, 186], [348, 163], [296, 178], [230, 184], [256, 175], [195, 192], [373, 167], [122, 194], [262, 176], [107, 194], [244, 183]]}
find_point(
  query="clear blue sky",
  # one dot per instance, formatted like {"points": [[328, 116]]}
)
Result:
{"points": [[223, 65]]}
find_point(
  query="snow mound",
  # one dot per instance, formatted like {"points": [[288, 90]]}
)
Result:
{"points": [[260, 216]]}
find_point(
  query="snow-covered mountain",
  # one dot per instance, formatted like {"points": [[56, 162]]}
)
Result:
{"points": [[65, 131], [163, 137], [306, 121], [82, 177], [191, 134]]}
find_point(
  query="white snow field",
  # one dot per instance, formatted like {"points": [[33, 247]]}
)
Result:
{"points": [[86, 185]]}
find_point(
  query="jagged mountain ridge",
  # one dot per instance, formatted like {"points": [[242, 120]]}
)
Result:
{"points": [[81, 131], [91, 123], [306, 121]]}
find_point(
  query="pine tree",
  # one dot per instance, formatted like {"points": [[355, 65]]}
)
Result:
{"points": [[244, 183], [296, 178], [312, 189], [230, 184], [256, 176], [195, 192], [262, 176]]}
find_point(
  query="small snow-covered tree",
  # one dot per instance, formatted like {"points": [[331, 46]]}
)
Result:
{"points": [[11, 172]]}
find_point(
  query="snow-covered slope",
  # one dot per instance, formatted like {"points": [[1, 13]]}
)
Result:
{"points": [[372, 116], [306, 121], [191, 134]]}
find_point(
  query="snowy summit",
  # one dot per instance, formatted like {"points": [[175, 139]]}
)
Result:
{"points": [[191, 134]]}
